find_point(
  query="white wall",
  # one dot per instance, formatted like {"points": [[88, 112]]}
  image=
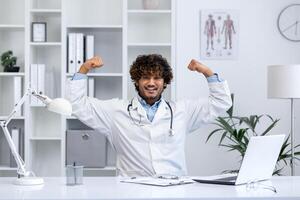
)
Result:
{"points": [[260, 44]]}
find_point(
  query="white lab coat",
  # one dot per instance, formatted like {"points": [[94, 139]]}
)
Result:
{"points": [[144, 147]]}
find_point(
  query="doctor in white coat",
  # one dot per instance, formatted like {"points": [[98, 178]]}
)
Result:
{"points": [[147, 132]]}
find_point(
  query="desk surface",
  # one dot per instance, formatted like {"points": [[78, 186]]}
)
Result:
{"points": [[112, 188]]}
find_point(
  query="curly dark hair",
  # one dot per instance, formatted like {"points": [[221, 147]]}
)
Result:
{"points": [[151, 64]]}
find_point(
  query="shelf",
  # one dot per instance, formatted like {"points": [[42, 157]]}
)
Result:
{"points": [[5, 117], [46, 11], [45, 138], [100, 74], [96, 26], [71, 117], [45, 43], [6, 168], [149, 12], [12, 74], [11, 27], [140, 44]]}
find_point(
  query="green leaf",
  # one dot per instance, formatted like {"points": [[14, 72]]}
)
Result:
{"points": [[212, 133], [270, 127], [225, 125], [223, 136]]}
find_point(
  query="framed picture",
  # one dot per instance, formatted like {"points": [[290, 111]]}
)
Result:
{"points": [[219, 34], [39, 32]]}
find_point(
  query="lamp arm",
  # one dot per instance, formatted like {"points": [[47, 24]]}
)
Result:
{"points": [[3, 123]]}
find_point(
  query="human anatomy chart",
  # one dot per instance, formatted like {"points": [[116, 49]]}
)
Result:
{"points": [[219, 34]]}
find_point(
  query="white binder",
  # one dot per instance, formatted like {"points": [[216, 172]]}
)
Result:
{"points": [[37, 82], [41, 81], [91, 87], [15, 136], [72, 53], [89, 47], [18, 93], [33, 83], [79, 50]]}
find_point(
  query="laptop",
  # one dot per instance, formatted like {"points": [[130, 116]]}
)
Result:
{"points": [[258, 163]]}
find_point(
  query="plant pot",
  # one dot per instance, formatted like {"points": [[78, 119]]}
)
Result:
{"points": [[12, 69], [150, 4]]}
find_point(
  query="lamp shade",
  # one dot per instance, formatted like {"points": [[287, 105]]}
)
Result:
{"points": [[284, 81], [60, 106]]}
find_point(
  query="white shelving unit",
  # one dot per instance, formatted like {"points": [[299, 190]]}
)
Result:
{"points": [[122, 29]]}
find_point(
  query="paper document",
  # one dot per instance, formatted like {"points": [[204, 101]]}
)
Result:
{"points": [[157, 181]]}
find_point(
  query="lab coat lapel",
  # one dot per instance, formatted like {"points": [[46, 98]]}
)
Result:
{"points": [[136, 105], [161, 111]]}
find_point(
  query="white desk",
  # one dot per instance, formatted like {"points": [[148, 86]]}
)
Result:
{"points": [[111, 188]]}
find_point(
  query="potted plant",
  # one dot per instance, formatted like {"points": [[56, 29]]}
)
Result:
{"points": [[8, 61], [236, 131]]}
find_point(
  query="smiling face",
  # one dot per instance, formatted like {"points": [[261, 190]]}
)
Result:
{"points": [[151, 87], [151, 74]]}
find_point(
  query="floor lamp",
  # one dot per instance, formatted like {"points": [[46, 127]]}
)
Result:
{"points": [[58, 105], [284, 83]]}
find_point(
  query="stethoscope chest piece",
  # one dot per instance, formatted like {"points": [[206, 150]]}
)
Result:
{"points": [[171, 132]]}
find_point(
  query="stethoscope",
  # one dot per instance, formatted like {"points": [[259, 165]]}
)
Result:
{"points": [[171, 131]]}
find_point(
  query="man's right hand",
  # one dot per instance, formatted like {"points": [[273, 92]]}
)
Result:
{"points": [[91, 63]]}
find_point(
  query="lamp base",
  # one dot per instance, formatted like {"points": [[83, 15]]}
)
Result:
{"points": [[29, 181]]}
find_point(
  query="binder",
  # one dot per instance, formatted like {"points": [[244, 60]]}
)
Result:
{"points": [[33, 83], [15, 136], [89, 47], [18, 93], [72, 52], [79, 50], [91, 86], [41, 81], [37, 82]]}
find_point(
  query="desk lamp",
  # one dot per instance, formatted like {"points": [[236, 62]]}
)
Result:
{"points": [[284, 83], [58, 105]]}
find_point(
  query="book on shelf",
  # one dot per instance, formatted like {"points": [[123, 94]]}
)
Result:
{"points": [[37, 82], [89, 46], [18, 93], [91, 86], [71, 52], [80, 48]]}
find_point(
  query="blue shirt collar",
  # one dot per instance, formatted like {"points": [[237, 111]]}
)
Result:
{"points": [[145, 104]]}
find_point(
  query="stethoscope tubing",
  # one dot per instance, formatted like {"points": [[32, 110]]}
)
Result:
{"points": [[171, 131]]}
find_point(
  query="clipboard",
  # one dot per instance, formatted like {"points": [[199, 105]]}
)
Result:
{"points": [[157, 181]]}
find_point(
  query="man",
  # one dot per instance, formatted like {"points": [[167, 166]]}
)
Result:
{"points": [[147, 132]]}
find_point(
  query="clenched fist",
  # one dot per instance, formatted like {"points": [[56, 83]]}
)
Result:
{"points": [[199, 67], [94, 62]]}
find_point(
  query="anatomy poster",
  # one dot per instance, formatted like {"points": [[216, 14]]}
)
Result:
{"points": [[219, 34]]}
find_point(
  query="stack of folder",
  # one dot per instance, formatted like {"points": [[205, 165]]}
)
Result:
{"points": [[80, 48]]}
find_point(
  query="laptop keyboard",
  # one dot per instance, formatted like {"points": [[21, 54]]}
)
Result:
{"points": [[230, 178]]}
